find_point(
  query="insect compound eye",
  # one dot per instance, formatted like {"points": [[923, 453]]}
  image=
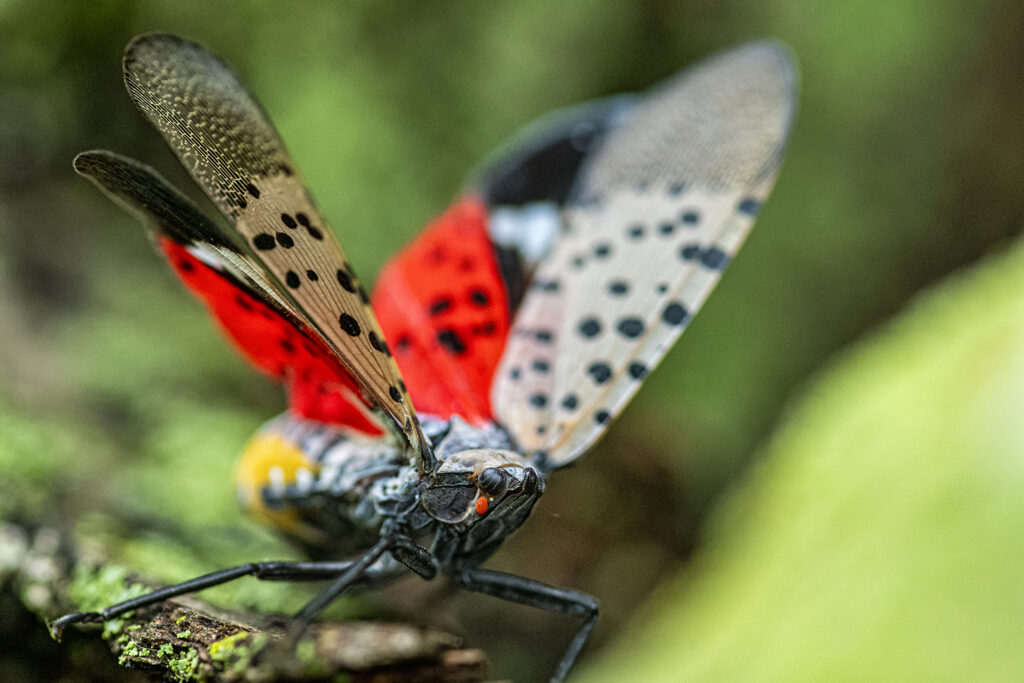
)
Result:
{"points": [[449, 498], [492, 481]]}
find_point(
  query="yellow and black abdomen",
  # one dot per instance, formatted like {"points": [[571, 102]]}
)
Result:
{"points": [[317, 484]]}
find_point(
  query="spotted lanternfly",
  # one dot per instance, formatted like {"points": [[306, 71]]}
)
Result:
{"points": [[519, 323]]}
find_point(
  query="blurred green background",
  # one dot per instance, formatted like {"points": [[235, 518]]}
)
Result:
{"points": [[122, 409]]}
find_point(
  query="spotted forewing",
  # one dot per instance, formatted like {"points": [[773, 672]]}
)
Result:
{"points": [[227, 143], [655, 215]]}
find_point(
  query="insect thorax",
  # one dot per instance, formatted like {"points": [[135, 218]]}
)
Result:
{"points": [[331, 489]]}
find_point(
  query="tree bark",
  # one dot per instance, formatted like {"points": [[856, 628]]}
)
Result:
{"points": [[186, 639]]}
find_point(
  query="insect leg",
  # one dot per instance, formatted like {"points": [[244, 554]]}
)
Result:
{"points": [[352, 573], [267, 571], [536, 594], [415, 557]]}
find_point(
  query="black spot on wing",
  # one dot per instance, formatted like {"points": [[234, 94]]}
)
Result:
{"points": [[264, 241], [345, 280], [589, 327], [631, 328], [600, 372], [675, 314], [440, 305], [451, 341], [349, 325]]}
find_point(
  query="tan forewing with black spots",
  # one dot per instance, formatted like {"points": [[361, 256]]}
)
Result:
{"points": [[225, 140]]}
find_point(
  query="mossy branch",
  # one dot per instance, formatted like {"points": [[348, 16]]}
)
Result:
{"points": [[188, 640]]}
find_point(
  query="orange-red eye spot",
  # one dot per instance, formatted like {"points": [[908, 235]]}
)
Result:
{"points": [[481, 505]]}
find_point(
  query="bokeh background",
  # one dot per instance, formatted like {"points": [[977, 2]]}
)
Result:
{"points": [[823, 481]]}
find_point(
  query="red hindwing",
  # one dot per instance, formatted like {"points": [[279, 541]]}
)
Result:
{"points": [[318, 388], [442, 305]]}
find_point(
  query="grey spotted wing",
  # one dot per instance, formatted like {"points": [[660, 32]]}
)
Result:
{"points": [[225, 140], [167, 211], [656, 215]]}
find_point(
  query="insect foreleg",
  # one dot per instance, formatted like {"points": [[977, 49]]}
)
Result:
{"points": [[536, 594], [267, 571], [355, 572], [415, 557]]}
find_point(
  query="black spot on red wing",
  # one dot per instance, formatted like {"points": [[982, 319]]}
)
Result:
{"points": [[404, 343], [288, 221], [440, 305], [264, 241], [450, 340], [291, 278], [253, 190], [349, 325], [186, 266], [599, 372], [285, 241], [311, 274], [345, 280], [287, 346], [243, 303], [466, 265], [436, 254], [479, 297], [395, 395], [631, 327], [485, 329]]}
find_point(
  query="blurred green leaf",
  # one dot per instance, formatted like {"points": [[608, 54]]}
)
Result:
{"points": [[880, 537]]}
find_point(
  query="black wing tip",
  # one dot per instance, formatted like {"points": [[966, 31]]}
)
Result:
{"points": [[95, 163]]}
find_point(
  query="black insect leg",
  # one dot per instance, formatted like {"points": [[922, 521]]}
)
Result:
{"points": [[267, 571], [354, 572], [536, 594]]}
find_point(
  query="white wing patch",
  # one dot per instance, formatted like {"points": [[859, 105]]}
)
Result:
{"points": [[662, 209]]}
